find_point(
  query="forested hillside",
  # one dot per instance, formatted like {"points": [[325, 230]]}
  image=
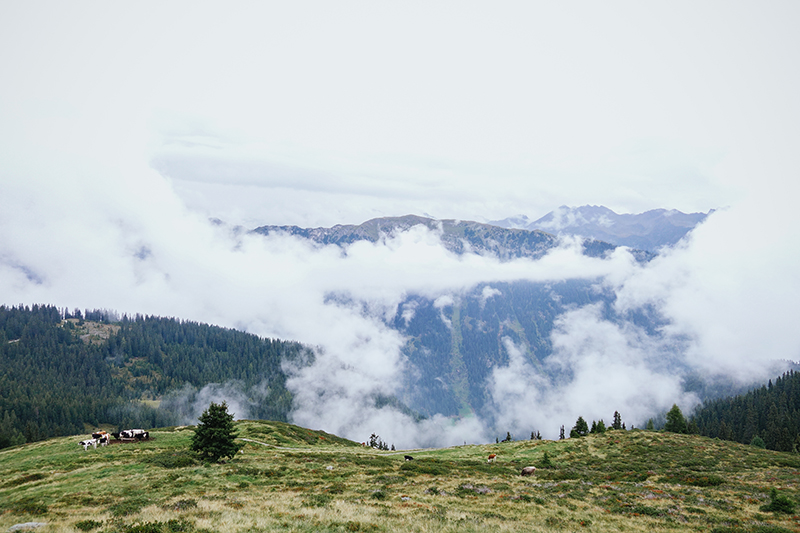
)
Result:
{"points": [[59, 375], [768, 416]]}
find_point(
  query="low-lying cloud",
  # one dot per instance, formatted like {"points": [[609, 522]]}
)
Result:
{"points": [[726, 297]]}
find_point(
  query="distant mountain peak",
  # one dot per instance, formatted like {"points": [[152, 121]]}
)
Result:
{"points": [[649, 231]]}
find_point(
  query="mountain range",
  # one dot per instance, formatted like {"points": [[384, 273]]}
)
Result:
{"points": [[454, 346], [647, 231]]}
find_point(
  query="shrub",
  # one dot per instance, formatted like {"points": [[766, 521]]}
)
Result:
{"points": [[87, 525], [778, 504], [317, 500]]}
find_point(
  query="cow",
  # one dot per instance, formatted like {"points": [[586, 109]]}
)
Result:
{"points": [[87, 443], [528, 471], [491, 458], [408, 458], [138, 434], [101, 437]]}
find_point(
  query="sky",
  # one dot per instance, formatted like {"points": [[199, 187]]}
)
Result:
{"points": [[124, 128]]}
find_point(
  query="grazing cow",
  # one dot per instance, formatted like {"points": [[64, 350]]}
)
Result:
{"points": [[491, 458], [87, 443], [138, 434], [101, 437], [528, 471], [409, 458]]}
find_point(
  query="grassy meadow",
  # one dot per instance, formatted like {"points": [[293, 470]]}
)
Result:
{"points": [[293, 479]]}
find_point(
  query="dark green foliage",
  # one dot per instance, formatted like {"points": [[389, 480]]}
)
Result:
{"points": [[170, 526], [617, 424], [378, 495], [758, 442], [215, 435], [53, 382], [546, 462], [580, 429], [508, 437], [88, 525], [376, 442], [317, 500], [676, 422], [771, 412], [778, 503], [598, 427]]}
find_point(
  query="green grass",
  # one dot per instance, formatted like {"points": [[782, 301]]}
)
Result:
{"points": [[294, 479]]}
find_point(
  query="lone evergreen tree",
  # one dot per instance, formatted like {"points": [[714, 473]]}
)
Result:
{"points": [[617, 424], [561, 433], [676, 423], [215, 437], [580, 429]]}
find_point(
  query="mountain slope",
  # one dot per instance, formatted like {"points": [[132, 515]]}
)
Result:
{"points": [[644, 231], [60, 375], [293, 479], [458, 236]]}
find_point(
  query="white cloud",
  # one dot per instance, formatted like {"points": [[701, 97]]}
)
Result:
{"points": [[608, 109]]}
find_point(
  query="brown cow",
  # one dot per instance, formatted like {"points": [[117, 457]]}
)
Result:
{"points": [[491, 458], [528, 471]]}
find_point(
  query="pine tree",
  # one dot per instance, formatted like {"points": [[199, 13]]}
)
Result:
{"points": [[580, 429], [561, 433], [215, 437], [617, 424], [676, 423]]}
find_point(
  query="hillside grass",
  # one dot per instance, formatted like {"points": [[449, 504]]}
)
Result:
{"points": [[294, 479]]}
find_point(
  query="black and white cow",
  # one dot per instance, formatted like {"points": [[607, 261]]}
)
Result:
{"points": [[87, 443], [138, 434]]}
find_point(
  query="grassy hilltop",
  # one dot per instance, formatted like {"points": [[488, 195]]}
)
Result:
{"points": [[293, 479]]}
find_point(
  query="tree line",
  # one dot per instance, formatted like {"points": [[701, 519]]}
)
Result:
{"points": [[767, 417], [54, 383]]}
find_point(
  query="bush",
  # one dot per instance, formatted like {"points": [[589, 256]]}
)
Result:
{"points": [[87, 525], [778, 504], [317, 500]]}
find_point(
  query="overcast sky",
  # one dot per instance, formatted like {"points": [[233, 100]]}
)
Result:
{"points": [[123, 128], [317, 113]]}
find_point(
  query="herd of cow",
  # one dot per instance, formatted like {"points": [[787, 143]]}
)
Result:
{"points": [[103, 437]]}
